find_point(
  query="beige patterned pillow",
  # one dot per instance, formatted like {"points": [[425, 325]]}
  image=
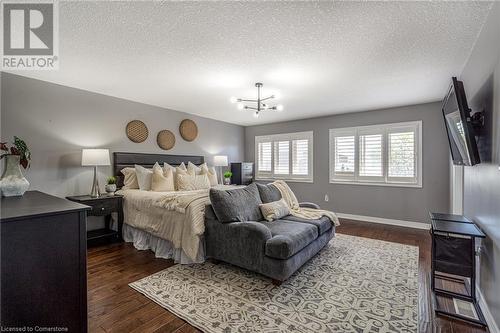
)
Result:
{"points": [[211, 174], [195, 170], [274, 210], [162, 181], [129, 179], [181, 166], [187, 182], [179, 170]]}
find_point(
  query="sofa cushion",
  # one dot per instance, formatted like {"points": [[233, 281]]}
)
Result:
{"points": [[274, 210], [288, 238], [323, 224], [237, 205], [268, 193]]}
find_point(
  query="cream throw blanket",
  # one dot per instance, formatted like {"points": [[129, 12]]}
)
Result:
{"points": [[179, 201], [303, 212]]}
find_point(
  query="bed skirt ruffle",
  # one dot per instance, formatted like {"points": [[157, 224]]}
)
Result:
{"points": [[162, 248]]}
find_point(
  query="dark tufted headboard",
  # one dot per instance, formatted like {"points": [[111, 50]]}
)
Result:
{"points": [[122, 160]]}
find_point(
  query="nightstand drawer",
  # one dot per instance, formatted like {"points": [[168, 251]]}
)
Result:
{"points": [[103, 207]]}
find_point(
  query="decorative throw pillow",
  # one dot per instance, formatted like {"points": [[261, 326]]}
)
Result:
{"points": [[144, 177], [274, 210], [211, 174], [179, 170], [195, 170], [268, 193], [162, 181], [167, 166], [186, 182], [129, 178], [235, 205]]}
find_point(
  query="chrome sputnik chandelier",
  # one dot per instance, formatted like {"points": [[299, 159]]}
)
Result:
{"points": [[259, 103]]}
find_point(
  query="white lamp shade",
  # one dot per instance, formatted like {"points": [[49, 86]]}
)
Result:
{"points": [[95, 157], [220, 160]]}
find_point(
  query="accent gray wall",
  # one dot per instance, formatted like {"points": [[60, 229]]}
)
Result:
{"points": [[58, 121], [402, 203], [481, 77]]}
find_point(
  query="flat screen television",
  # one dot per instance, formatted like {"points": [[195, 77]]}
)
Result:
{"points": [[459, 127]]}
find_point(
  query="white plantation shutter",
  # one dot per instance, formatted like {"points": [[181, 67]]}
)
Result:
{"points": [[402, 154], [370, 156], [300, 157], [342, 155], [284, 156], [380, 154], [264, 156]]}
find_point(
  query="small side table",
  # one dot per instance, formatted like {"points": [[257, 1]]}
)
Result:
{"points": [[453, 263], [103, 206]]}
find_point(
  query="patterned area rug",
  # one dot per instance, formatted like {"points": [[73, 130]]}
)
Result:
{"points": [[353, 285]]}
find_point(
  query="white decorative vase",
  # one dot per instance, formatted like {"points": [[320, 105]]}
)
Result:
{"points": [[13, 182], [110, 188], [227, 181]]}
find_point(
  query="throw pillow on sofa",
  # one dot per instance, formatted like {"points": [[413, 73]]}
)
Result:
{"points": [[274, 210], [268, 193], [237, 205]]}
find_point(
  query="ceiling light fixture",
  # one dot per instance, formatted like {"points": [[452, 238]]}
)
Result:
{"points": [[259, 102]]}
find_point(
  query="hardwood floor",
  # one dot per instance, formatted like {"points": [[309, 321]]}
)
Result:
{"points": [[115, 307]]}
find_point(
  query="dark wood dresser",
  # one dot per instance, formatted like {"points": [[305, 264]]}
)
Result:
{"points": [[242, 173], [43, 263]]}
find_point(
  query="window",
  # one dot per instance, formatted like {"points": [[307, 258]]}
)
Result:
{"points": [[388, 154], [284, 156]]}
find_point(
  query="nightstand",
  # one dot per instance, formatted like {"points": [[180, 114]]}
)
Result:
{"points": [[103, 206]]}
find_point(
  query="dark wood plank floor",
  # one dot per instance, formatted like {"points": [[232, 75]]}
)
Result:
{"points": [[115, 307]]}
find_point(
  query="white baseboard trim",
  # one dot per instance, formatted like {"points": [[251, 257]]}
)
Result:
{"points": [[492, 325], [401, 223]]}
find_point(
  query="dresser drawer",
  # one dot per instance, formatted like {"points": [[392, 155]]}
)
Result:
{"points": [[105, 207], [247, 167]]}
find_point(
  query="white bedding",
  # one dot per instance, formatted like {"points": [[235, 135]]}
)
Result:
{"points": [[174, 216]]}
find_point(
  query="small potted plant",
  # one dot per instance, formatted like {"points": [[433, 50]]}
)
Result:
{"points": [[111, 185], [227, 177], [13, 182]]}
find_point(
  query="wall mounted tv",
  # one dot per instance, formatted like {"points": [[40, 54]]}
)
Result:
{"points": [[459, 126]]}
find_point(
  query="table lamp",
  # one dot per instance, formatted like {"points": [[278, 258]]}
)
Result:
{"points": [[95, 158], [220, 161]]}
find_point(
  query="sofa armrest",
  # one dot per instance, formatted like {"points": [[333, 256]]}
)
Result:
{"points": [[238, 243], [308, 205]]}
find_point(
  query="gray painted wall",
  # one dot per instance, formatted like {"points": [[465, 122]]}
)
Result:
{"points": [[58, 121], [403, 203], [481, 77]]}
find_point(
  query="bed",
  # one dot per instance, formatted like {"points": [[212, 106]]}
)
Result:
{"points": [[171, 224]]}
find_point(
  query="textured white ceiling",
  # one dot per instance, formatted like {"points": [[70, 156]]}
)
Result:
{"points": [[322, 57]]}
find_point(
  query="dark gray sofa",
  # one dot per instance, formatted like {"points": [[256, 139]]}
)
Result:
{"points": [[274, 249]]}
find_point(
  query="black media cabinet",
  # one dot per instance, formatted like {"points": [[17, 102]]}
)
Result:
{"points": [[453, 265]]}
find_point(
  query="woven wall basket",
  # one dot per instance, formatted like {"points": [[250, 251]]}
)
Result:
{"points": [[137, 131], [188, 130], [165, 139]]}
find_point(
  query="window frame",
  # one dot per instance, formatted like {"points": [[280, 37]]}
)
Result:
{"points": [[290, 137], [384, 129]]}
